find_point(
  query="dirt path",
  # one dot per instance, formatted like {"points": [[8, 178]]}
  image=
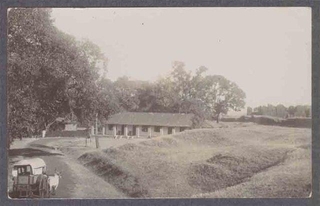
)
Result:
{"points": [[76, 182]]}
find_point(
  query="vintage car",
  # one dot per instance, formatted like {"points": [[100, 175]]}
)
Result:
{"points": [[31, 180]]}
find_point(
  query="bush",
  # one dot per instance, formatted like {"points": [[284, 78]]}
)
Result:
{"points": [[266, 120], [77, 133], [245, 119], [229, 119], [297, 122]]}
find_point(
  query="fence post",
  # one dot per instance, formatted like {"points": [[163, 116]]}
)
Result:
{"points": [[97, 141]]}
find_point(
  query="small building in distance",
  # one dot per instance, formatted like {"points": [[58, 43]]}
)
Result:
{"points": [[70, 125], [142, 124]]}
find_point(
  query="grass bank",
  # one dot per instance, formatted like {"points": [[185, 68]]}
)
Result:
{"points": [[235, 160]]}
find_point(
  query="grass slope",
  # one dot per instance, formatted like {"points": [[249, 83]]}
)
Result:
{"points": [[245, 161]]}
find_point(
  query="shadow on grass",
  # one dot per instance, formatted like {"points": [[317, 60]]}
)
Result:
{"points": [[41, 146], [30, 152], [14, 195]]}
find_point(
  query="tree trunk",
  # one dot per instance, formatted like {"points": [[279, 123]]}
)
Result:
{"points": [[218, 117], [47, 127]]}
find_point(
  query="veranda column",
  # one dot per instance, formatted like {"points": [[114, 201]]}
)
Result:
{"points": [[149, 131], [161, 130], [114, 130], [103, 130], [138, 131], [125, 130], [173, 130]]}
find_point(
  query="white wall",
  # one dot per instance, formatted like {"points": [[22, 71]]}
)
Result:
{"points": [[109, 132], [141, 133], [130, 129], [70, 127]]}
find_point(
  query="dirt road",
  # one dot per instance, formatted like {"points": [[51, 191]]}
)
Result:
{"points": [[76, 182]]}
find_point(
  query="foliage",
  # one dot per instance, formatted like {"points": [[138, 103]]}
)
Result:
{"points": [[181, 91], [126, 92], [50, 74], [281, 111], [292, 110], [307, 111]]}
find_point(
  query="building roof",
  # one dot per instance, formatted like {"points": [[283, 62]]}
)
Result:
{"points": [[151, 119], [34, 163]]}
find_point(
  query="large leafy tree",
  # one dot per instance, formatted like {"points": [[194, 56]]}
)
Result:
{"points": [[206, 96], [223, 95], [126, 91], [50, 74], [27, 55]]}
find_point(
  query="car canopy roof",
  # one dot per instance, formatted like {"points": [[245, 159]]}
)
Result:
{"points": [[34, 163]]}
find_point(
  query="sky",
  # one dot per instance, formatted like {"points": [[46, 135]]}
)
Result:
{"points": [[265, 51]]}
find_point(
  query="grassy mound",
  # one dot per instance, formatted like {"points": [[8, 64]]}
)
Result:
{"points": [[113, 173], [290, 179], [204, 137], [161, 142], [206, 161], [224, 170]]}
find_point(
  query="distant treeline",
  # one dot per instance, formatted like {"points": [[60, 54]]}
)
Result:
{"points": [[300, 122], [281, 111]]}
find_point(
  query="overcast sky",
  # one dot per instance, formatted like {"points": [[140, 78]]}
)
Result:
{"points": [[266, 51]]}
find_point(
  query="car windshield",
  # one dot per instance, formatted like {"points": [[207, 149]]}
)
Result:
{"points": [[24, 170]]}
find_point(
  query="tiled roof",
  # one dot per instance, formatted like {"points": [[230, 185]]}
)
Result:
{"points": [[151, 119]]}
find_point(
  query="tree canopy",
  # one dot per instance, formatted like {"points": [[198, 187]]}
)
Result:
{"points": [[281, 111], [206, 96], [50, 74]]}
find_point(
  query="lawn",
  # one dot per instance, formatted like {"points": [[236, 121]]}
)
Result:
{"points": [[232, 160]]}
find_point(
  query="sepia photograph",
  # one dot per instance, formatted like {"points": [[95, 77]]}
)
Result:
{"points": [[118, 103]]}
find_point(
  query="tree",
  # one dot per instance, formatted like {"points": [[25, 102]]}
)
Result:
{"points": [[50, 74], [205, 96], [27, 29], [271, 110], [307, 111], [258, 110], [300, 111], [292, 110], [226, 95], [281, 110], [126, 91]]}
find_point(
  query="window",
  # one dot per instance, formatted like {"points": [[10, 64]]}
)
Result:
{"points": [[156, 129], [40, 170], [24, 170], [110, 126], [144, 129], [182, 129], [170, 130]]}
